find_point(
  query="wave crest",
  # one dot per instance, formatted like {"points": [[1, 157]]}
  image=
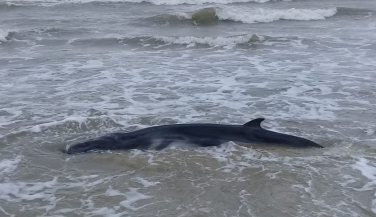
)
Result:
{"points": [[217, 41], [154, 2], [5, 35], [213, 14], [9, 5], [269, 15]]}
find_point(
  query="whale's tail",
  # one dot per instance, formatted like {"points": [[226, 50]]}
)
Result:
{"points": [[257, 133]]}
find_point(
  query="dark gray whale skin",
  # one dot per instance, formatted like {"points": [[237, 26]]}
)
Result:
{"points": [[203, 135]]}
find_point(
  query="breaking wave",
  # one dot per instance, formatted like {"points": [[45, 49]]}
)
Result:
{"points": [[5, 35], [159, 41], [237, 14], [268, 15], [162, 42], [8, 5], [155, 2], [217, 41], [194, 2]]}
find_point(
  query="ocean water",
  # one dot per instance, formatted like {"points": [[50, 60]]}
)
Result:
{"points": [[72, 70]]}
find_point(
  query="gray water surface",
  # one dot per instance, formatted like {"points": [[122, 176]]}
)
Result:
{"points": [[72, 70]]}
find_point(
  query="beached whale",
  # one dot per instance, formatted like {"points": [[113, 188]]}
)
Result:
{"points": [[203, 135]]}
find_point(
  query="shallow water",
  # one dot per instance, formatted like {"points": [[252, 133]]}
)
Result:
{"points": [[76, 69]]}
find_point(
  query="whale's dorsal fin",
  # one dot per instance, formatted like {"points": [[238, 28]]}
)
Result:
{"points": [[255, 123]]}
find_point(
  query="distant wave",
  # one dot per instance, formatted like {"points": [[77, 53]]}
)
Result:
{"points": [[238, 14], [354, 11], [162, 42], [154, 42], [4, 35], [8, 5], [269, 15], [159, 41], [191, 41], [192, 2], [203, 16], [30, 34], [155, 2], [211, 41], [59, 31]]}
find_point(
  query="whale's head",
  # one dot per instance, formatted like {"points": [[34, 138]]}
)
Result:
{"points": [[78, 148]]}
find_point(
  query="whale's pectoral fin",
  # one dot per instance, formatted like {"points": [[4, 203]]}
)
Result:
{"points": [[255, 123]]}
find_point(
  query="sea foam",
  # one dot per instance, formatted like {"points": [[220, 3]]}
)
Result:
{"points": [[8, 165], [270, 15], [368, 170], [211, 41], [154, 2], [4, 35]]}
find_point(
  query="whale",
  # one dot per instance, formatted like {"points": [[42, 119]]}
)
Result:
{"points": [[195, 135]]}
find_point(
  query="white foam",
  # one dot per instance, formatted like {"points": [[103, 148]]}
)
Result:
{"points": [[211, 41], [132, 196], [93, 64], [194, 2], [368, 169], [155, 2], [4, 34], [183, 15], [269, 15], [150, 154], [272, 175], [8, 166], [12, 4], [22, 191], [145, 182], [234, 156], [44, 192], [79, 120], [6, 213]]}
